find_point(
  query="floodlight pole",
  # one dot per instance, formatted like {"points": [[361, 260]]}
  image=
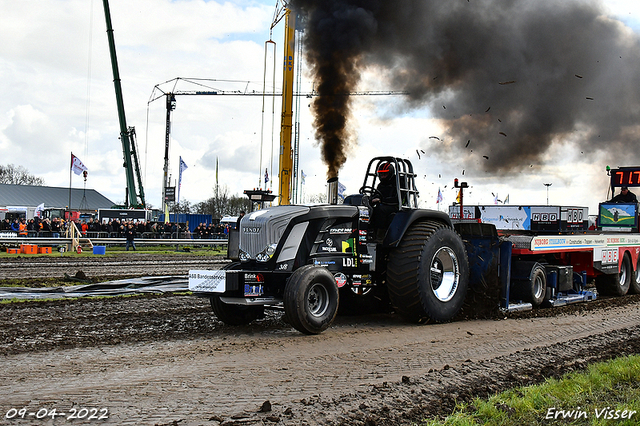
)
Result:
{"points": [[547, 185]]}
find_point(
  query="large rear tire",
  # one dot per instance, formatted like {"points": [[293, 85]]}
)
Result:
{"points": [[311, 299], [616, 284], [232, 314], [428, 273]]}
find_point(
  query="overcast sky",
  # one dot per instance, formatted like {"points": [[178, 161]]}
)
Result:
{"points": [[58, 97]]}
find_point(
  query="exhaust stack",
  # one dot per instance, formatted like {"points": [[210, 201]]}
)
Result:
{"points": [[332, 190]]}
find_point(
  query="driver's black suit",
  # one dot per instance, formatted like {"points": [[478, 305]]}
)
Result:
{"points": [[385, 204]]}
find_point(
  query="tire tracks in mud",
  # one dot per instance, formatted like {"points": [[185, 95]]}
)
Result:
{"points": [[166, 359], [363, 370], [110, 266]]}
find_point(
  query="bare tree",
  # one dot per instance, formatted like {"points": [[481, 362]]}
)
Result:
{"points": [[18, 175], [183, 206], [238, 204], [318, 198], [222, 204]]}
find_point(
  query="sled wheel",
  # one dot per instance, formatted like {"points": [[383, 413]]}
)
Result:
{"points": [[616, 284], [529, 282], [311, 299], [635, 280], [428, 273]]}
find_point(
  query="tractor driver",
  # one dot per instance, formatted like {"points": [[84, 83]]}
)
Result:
{"points": [[625, 196], [384, 201]]}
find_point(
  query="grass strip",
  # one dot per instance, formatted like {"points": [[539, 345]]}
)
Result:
{"points": [[608, 393]]}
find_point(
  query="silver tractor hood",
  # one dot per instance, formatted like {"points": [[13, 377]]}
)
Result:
{"points": [[260, 231]]}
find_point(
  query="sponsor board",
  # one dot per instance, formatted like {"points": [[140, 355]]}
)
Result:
{"points": [[207, 281], [555, 242]]}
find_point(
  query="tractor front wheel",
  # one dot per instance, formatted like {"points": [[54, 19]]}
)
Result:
{"points": [[233, 314], [311, 299]]}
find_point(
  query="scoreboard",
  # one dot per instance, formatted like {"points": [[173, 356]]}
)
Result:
{"points": [[625, 176]]}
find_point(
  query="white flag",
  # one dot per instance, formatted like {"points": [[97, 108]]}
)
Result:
{"points": [[77, 166], [183, 167], [39, 210], [341, 189]]}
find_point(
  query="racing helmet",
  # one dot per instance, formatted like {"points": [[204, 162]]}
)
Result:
{"points": [[385, 171]]}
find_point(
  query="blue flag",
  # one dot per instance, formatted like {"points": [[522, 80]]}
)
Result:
{"points": [[183, 167]]}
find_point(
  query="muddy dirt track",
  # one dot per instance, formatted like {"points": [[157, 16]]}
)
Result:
{"points": [[166, 360], [106, 267]]}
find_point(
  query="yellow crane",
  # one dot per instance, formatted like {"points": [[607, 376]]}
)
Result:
{"points": [[286, 129]]}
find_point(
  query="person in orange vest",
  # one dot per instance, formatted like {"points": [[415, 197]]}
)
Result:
{"points": [[85, 227], [22, 230]]}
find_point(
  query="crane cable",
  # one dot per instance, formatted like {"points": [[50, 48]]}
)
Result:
{"points": [[273, 111], [277, 16], [296, 140], [264, 92], [88, 103]]}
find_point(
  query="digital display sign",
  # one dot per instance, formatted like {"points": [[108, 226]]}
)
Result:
{"points": [[625, 177]]}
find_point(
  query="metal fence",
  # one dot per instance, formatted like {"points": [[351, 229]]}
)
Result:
{"points": [[186, 235], [106, 238]]}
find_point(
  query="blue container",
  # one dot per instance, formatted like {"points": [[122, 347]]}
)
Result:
{"points": [[99, 249], [193, 219]]}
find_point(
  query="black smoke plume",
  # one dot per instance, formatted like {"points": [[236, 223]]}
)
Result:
{"points": [[514, 77]]}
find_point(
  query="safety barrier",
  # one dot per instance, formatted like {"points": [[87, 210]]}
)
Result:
{"points": [[139, 236], [62, 241]]}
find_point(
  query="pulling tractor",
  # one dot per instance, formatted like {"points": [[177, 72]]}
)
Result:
{"points": [[313, 260]]}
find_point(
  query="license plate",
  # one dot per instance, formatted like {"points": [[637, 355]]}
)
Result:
{"points": [[208, 281]]}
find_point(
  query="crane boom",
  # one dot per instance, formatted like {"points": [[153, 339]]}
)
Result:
{"points": [[127, 134]]}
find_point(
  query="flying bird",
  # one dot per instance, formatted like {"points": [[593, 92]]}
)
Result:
{"points": [[507, 82], [488, 109], [579, 76], [434, 137], [503, 134], [418, 152], [485, 157], [468, 142]]}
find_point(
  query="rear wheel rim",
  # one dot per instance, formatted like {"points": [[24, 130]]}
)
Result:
{"points": [[318, 300], [538, 286], [623, 272], [445, 274]]}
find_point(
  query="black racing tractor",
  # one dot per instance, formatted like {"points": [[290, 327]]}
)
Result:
{"points": [[313, 260]]}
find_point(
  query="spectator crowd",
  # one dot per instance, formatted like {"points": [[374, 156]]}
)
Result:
{"points": [[112, 228]]}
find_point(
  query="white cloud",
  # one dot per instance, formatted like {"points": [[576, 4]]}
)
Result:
{"points": [[628, 11]]}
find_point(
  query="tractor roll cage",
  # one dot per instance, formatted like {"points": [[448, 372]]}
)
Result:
{"points": [[404, 176]]}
